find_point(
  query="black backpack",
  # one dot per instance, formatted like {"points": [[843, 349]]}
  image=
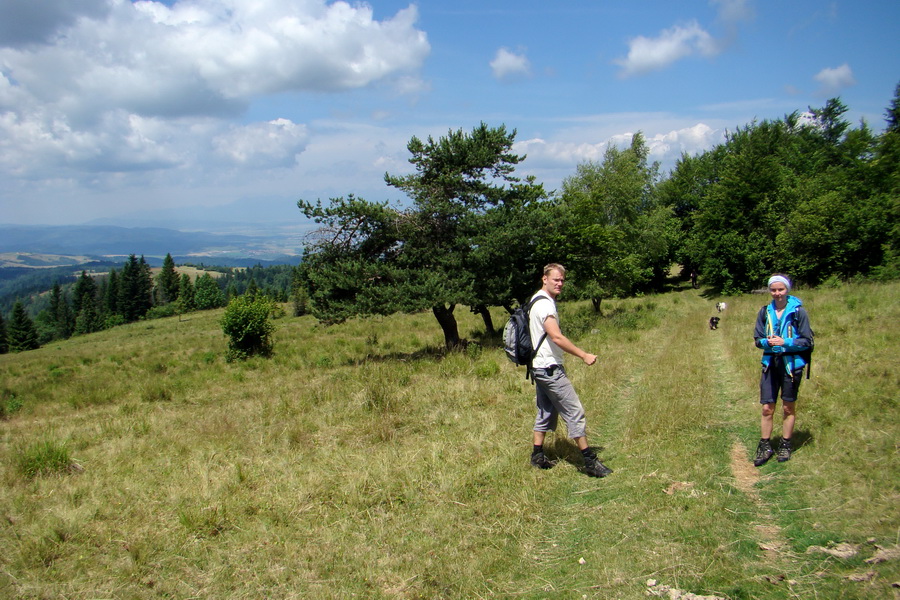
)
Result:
{"points": [[517, 337]]}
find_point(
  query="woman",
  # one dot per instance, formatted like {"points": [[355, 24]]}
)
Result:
{"points": [[784, 334]]}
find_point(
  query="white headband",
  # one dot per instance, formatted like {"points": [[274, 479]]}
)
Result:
{"points": [[782, 279]]}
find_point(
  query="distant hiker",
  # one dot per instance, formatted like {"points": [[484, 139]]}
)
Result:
{"points": [[785, 336], [554, 394]]}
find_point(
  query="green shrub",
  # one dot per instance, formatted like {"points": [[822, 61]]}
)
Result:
{"points": [[247, 323]]}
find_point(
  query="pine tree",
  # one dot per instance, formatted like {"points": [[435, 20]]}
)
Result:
{"points": [[22, 334]]}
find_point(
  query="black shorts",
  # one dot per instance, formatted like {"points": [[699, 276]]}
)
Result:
{"points": [[775, 379]]}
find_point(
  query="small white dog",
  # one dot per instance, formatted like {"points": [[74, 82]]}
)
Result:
{"points": [[720, 306]]}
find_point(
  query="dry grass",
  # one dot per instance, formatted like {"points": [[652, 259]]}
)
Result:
{"points": [[361, 460]]}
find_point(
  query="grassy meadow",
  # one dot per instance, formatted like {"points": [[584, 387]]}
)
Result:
{"points": [[361, 461]]}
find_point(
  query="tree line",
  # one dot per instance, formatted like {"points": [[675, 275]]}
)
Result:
{"points": [[806, 194], [96, 302]]}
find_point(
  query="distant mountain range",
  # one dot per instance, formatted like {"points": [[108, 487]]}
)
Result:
{"points": [[263, 245]]}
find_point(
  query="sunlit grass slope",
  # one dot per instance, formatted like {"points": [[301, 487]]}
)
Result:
{"points": [[362, 461]]}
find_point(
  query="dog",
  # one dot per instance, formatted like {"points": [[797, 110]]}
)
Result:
{"points": [[714, 322], [720, 306]]}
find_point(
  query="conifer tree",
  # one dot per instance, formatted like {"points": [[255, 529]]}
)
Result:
{"points": [[60, 313], [167, 282], [4, 345], [21, 334], [88, 320], [185, 294], [145, 287], [468, 238], [111, 298], [127, 291], [231, 291], [135, 289], [85, 291]]}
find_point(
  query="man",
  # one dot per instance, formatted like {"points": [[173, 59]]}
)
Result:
{"points": [[555, 395]]}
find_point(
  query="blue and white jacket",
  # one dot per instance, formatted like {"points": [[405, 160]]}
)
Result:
{"points": [[793, 326]]}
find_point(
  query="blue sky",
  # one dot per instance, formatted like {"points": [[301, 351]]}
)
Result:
{"points": [[183, 112]]}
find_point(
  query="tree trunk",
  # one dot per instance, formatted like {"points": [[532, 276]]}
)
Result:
{"points": [[482, 310], [596, 303], [445, 318]]}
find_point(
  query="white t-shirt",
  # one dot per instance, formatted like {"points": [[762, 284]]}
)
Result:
{"points": [[548, 353]]}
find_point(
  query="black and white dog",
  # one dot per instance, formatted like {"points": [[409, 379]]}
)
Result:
{"points": [[714, 322]]}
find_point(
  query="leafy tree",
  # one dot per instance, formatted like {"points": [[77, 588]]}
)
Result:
{"points": [[372, 258], [207, 293], [886, 172], [684, 192], [167, 282], [618, 238], [247, 323], [809, 196], [21, 333]]}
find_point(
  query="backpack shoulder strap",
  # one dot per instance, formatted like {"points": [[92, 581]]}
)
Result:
{"points": [[543, 337]]}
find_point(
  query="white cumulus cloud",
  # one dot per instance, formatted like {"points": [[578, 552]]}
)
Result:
{"points": [[647, 54], [651, 54], [834, 80], [510, 65]]}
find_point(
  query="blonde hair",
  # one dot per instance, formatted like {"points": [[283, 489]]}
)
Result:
{"points": [[554, 267]]}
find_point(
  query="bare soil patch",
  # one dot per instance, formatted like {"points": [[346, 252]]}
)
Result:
{"points": [[771, 539]]}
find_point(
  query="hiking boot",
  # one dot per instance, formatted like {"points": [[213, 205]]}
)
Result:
{"points": [[540, 460], [763, 453], [784, 450], [594, 468]]}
